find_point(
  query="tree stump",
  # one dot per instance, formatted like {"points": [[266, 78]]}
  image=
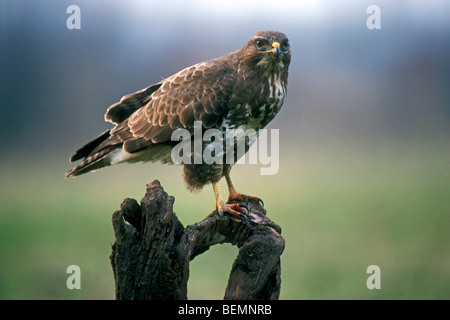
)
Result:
{"points": [[150, 257]]}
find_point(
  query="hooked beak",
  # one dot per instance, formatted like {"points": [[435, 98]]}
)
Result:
{"points": [[275, 50]]}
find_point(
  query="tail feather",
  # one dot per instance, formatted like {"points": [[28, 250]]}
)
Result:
{"points": [[99, 160], [95, 155], [86, 150]]}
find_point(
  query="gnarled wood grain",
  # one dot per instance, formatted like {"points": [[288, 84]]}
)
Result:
{"points": [[150, 257]]}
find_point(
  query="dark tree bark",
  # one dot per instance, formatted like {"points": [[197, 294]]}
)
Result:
{"points": [[150, 257]]}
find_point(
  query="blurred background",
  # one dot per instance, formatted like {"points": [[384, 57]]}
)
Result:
{"points": [[364, 174]]}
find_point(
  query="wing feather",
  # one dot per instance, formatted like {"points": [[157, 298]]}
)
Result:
{"points": [[200, 92], [122, 110]]}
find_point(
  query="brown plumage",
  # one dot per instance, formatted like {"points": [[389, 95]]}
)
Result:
{"points": [[243, 89]]}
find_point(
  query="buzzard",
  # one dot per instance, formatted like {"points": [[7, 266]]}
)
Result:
{"points": [[244, 89]]}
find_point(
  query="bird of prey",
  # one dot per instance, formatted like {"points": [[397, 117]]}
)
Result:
{"points": [[244, 89]]}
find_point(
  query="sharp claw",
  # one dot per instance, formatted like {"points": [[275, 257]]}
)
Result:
{"points": [[262, 202], [246, 199], [243, 205], [236, 210]]}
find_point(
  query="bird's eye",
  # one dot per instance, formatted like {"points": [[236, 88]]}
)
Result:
{"points": [[260, 44], [285, 45]]}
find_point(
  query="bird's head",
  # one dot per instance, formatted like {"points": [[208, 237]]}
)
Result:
{"points": [[268, 49]]}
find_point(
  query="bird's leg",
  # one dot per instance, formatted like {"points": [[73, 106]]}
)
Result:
{"points": [[234, 209], [234, 196]]}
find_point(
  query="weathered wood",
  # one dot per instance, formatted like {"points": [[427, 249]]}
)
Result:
{"points": [[150, 257]]}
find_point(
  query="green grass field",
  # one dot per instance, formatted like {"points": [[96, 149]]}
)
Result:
{"points": [[340, 211]]}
